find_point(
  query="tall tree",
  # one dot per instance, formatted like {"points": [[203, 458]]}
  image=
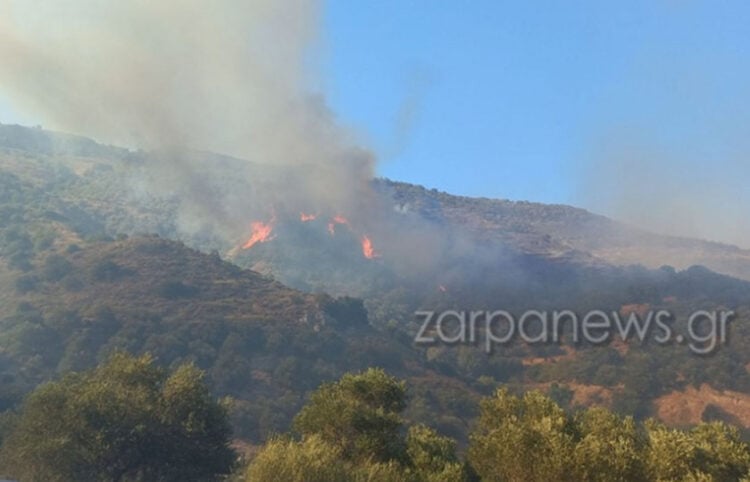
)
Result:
{"points": [[126, 420], [351, 431], [361, 414], [522, 439]]}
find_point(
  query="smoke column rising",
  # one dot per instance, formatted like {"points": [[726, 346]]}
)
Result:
{"points": [[228, 76]]}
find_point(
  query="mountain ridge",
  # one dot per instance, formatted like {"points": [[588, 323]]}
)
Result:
{"points": [[551, 230], [93, 258]]}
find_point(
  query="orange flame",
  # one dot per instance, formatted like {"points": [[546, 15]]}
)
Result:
{"points": [[367, 248], [307, 217], [338, 219], [261, 232]]}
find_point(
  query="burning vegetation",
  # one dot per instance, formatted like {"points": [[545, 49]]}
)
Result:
{"points": [[262, 232], [367, 249], [338, 219]]}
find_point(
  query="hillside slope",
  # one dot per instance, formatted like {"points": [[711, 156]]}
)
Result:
{"points": [[115, 190], [554, 230], [261, 343], [74, 287]]}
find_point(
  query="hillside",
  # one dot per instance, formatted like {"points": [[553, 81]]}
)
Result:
{"points": [[261, 343], [111, 187], [559, 230], [103, 248]]}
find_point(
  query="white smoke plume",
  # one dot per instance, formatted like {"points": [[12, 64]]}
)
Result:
{"points": [[228, 76]]}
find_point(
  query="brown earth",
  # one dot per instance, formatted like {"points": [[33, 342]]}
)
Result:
{"points": [[686, 407]]}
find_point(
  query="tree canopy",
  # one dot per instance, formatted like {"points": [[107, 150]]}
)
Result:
{"points": [[530, 438], [352, 430], [129, 420], [126, 420]]}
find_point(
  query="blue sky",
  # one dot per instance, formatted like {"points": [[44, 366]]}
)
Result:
{"points": [[638, 109], [520, 99]]}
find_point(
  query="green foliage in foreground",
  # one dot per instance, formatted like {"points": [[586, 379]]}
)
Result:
{"points": [[531, 439], [360, 414], [126, 420], [352, 431]]}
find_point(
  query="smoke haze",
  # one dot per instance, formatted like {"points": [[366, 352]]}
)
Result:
{"points": [[667, 192], [230, 76], [235, 77], [687, 176]]}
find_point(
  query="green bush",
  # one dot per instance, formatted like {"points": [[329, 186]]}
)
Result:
{"points": [[311, 460], [124, 420]]}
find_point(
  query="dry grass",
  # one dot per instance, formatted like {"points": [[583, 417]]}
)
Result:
{"points": [[686, 407]]}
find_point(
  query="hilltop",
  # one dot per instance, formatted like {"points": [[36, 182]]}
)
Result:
{"points": [[100, 250]]}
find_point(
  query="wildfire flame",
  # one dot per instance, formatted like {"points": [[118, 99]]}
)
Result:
{"points": [[338, 219], [261, 232], [367, 248]]}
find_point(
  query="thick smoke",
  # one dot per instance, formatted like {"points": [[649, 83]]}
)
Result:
{"points": [[175, 76]]}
